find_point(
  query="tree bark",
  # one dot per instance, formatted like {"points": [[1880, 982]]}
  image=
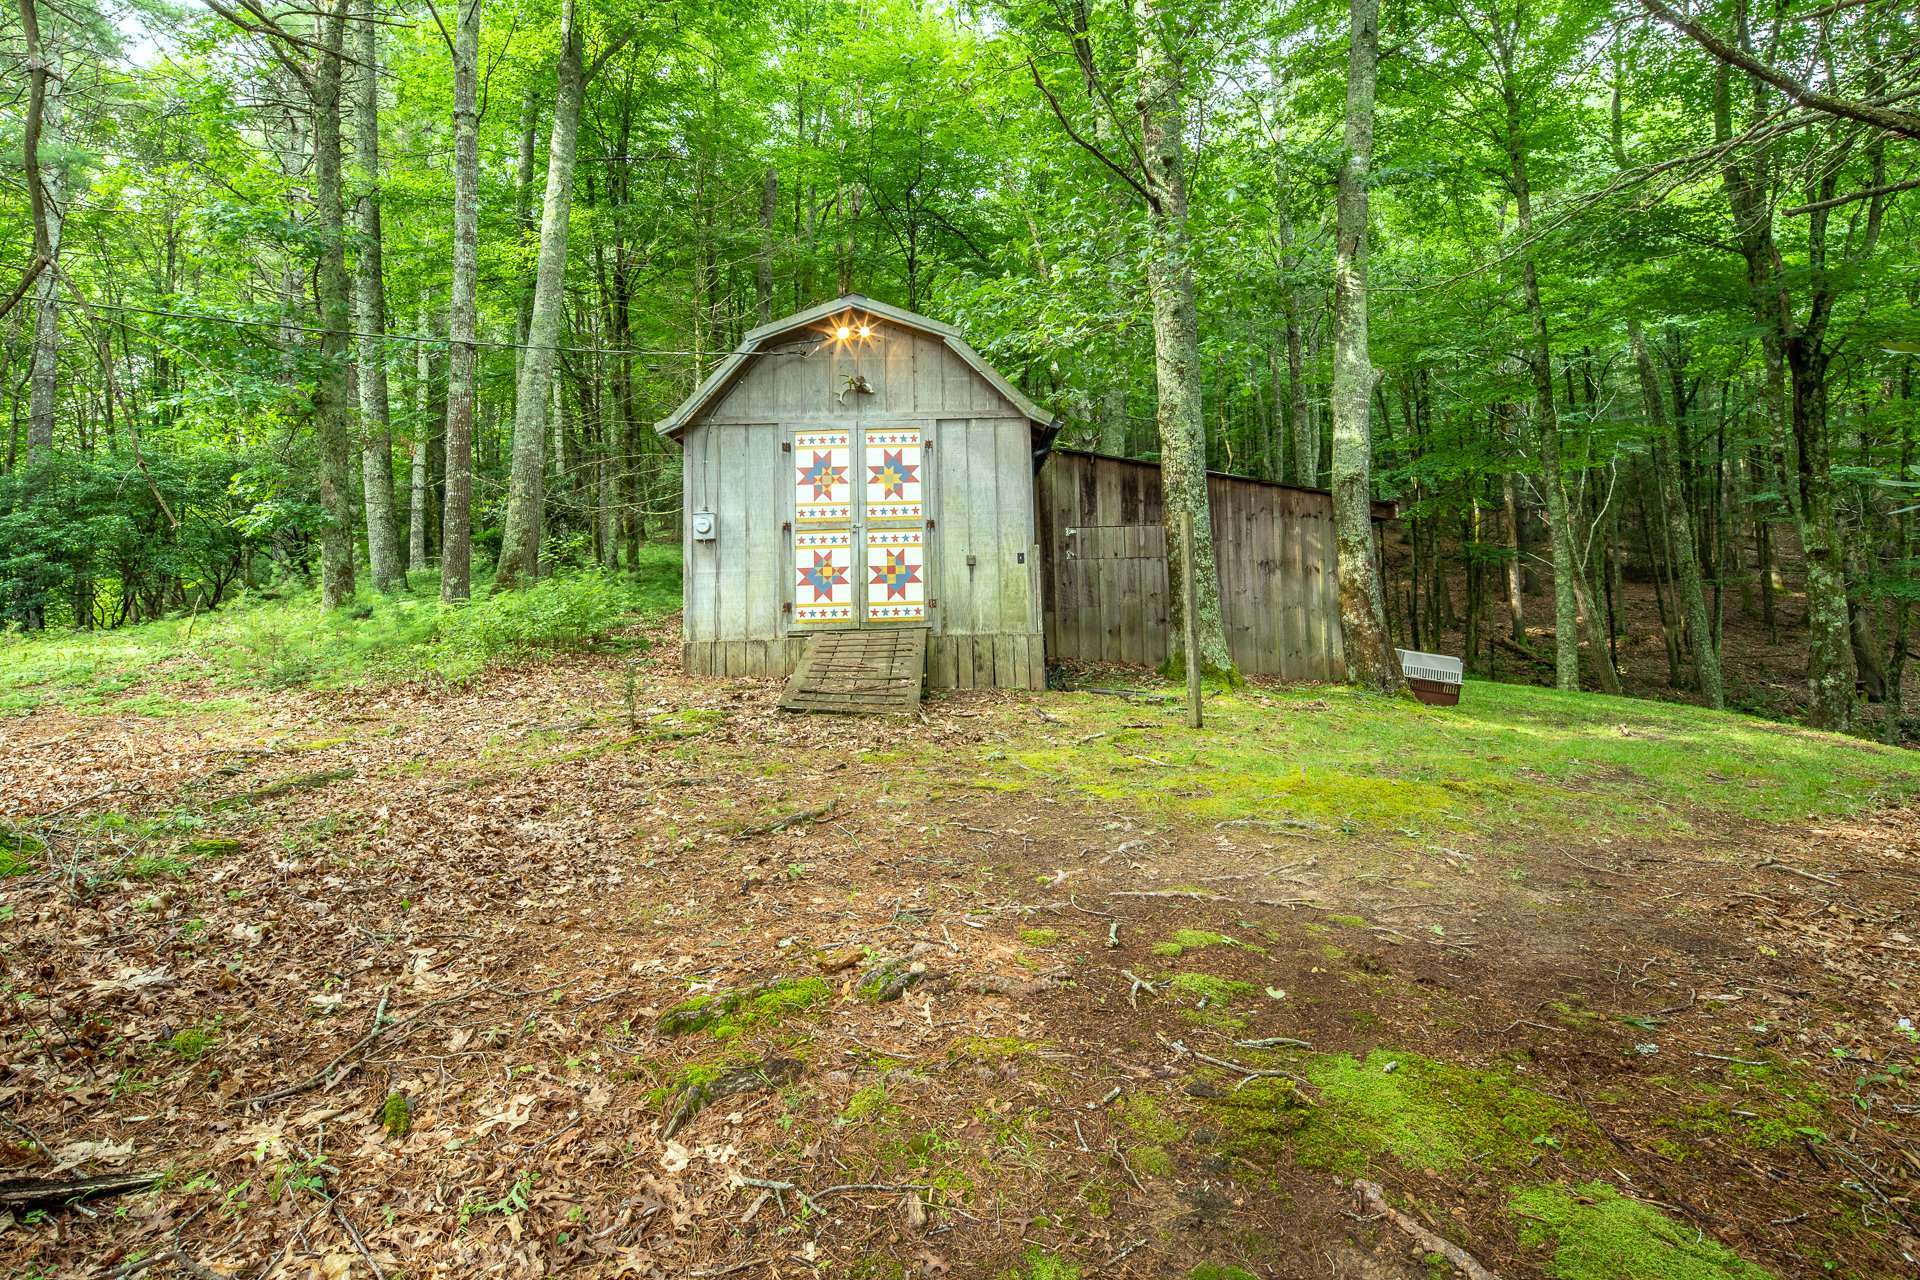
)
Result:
{"points": [[763, 267], [456, 508], [376, 446], [520, 539], [48, 183], [1176, 335], [417, 490], [331, 407], [1706, 662], [1370, 657]]}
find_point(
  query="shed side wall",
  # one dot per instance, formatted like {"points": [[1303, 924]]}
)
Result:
{"points": [[1104, 568]]}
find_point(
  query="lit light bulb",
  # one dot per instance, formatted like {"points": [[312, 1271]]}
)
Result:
{"points": [[865, 332], [843, 333]]}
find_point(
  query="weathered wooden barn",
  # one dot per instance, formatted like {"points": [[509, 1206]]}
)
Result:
{"points": [[857, 466], [1103, 567]]}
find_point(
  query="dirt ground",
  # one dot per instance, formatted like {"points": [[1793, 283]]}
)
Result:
{"points": [[594, 968]]}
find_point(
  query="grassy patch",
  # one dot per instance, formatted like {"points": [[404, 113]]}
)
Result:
{"points": [[1598, 1234], [265, 640], [1038, 1264], [1510, 757], [17, 850]]}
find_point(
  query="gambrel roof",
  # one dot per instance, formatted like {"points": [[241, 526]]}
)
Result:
{"points": [[729, 369]]}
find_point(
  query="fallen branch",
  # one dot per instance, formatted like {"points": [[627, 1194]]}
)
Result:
{"points": [[346, 1058], [791, 820], [1776, 865], [25, 1193], [1467, 1264]]}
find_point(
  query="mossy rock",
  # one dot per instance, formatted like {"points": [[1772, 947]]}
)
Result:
{"points": [[728, 1014], [1598, 1234], [889, 980]]}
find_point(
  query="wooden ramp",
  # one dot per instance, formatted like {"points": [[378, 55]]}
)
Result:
{"points": [[860, 673]]}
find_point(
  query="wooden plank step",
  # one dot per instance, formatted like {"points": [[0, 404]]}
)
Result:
{"points": [[860, 673]]}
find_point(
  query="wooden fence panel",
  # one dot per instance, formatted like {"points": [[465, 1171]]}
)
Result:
{"points": [[1103, 569]]}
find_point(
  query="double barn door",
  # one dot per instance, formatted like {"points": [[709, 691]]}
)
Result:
{"points": [[859, 527]]}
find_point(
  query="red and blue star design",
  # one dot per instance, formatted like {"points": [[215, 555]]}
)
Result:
{"points": [[894, 473], [895, 573], [823, 475], [823, 575]]}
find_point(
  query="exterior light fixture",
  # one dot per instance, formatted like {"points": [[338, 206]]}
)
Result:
{"points": [[843, 333]]}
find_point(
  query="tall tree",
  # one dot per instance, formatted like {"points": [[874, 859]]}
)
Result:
{"points": [[526, 499], [1370, 657], [1176, 340], [463, 321], [46, 194], [376, 433], [1673, 499]]}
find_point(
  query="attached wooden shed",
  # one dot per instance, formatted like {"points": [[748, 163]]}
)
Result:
{"points": [[856, 466]]}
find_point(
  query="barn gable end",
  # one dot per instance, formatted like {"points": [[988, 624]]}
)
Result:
{"points": [[979, 557]]}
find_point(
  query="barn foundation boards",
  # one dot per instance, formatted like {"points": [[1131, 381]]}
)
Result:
{"points": [[857, 468]]}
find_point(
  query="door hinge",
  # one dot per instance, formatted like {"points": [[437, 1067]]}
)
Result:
{"points": [[786, 446], [786, 606], [929, 524], [786, 526]]}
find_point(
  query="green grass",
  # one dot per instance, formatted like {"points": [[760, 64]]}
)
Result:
{"points": [[264, 640], [1509, 758]]}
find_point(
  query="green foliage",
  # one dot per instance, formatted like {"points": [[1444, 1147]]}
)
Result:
{"points": [[194, 1043], [1598, 1234], [269, 640], [17, 849]]}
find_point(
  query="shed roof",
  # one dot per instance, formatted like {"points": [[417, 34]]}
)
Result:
{"points": [[751, 345]]}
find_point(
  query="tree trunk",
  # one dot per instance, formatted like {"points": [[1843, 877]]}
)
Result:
{"points": [[523, 220], [1176, 341], [1371, 661], [1566, 564], [49, 223], [417, 491], [520, 539], [763, 267], [331, 408], [1686, 563], [456, 507], [376, 446]]}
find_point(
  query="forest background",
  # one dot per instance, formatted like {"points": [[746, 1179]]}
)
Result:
{"points": [[394, 292]]}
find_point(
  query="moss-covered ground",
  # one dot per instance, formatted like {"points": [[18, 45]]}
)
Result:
{"points": [[1577, 981]]}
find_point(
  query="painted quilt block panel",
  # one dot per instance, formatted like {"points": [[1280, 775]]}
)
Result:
{"points": [[895, 475], [896, 572], [823, 568], [823, 468]]}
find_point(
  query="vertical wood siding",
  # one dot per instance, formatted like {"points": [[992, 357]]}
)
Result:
{"points": [[1104, 568], [986, 624]]}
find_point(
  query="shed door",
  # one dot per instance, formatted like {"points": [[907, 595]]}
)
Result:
{"points": [[859, 527]]}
